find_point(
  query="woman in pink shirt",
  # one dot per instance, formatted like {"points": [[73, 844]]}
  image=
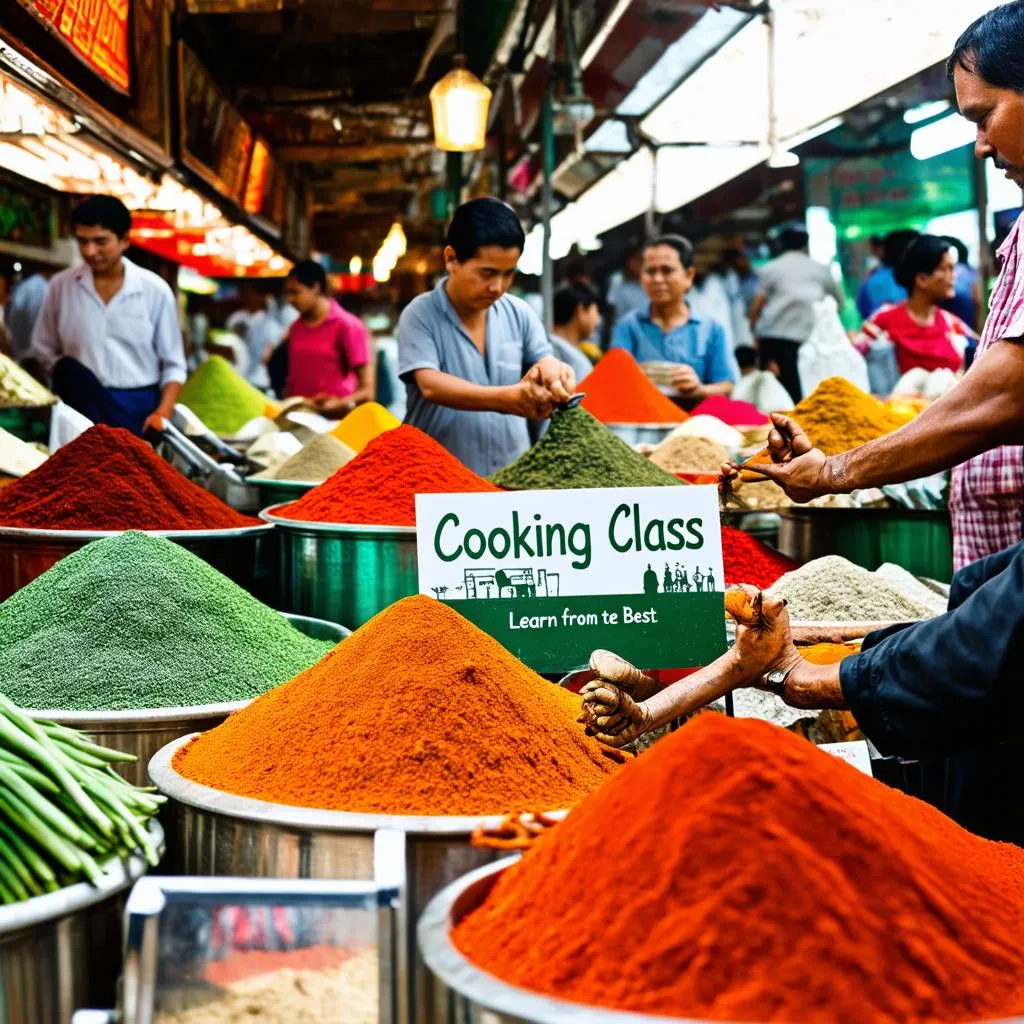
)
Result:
{"points": [[328, 348]]}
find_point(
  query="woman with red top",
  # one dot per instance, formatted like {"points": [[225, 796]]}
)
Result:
{"points": [[922, 334], [328, 348]]}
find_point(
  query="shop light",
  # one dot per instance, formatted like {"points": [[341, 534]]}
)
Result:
{"points": [[355, 265], [391, 250], [941, 136], [460, 102], [925, 111]]}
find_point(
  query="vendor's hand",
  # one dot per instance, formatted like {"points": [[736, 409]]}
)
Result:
{"points": [[686, 382], [556, 376], [530, 399], [612, 716], [155, 421], [610, 669], [332, 406]]}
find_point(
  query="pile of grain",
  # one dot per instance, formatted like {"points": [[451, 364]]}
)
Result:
{"points": [[689, 454], [314, 463]]}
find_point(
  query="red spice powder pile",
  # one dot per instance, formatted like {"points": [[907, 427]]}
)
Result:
{"points": [[109, 479], [418, 712], [618, 391], [735, 872], [379, 486], [747, 560], [736, 414]]}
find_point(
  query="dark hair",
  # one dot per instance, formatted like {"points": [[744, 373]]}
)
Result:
{"points": [[962, 255], [103, 212], [310, 273], [569, 299], [484, 221], [922, 256], [993, 48], [683, 246], [746, 355], [895, 245], [794, 237]]}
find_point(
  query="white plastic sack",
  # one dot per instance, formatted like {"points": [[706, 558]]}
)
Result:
{"points": [[939, 382], [65, 425], [828, 352], [913, 382], [764, 390]]}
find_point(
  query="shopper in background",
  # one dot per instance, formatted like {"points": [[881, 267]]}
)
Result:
{"points": [[760, 388], [667, 330], [23, 309], [783, 311], [260, 330], [626, 292], [329, 361], [921, 334], [881, 288], [476, 362], [966, 300], [577, 316], [741, 283], [108, 330], [981, 419]]}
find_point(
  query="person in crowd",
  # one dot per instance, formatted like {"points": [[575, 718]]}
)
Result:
{"points": [[783, 311], [108, 332], [22, 311], [966, 300], [741, 282], [978, 425], [329, 361], [667, 330], [626, 292], [577, 315], [710, 299], [476, 361], [259, 328], [876, 255], [760, 388], [880, 288], [921, 334]]}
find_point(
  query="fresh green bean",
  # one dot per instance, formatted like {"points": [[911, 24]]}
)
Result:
{"points": [[30, 856], [48, 812]]}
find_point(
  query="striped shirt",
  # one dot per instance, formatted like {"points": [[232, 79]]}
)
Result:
{"points": [[987, 493]]}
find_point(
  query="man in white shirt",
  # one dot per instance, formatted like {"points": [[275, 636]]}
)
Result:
{"points": [[108, 331]]}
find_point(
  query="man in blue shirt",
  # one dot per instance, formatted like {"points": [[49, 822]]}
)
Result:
{"points": [[476, 362], [668, 331]]}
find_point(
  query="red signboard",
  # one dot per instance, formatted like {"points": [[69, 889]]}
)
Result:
{"points": [[96, 30]]}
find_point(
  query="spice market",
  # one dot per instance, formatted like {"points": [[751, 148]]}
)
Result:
{"points": [[511, 512]]}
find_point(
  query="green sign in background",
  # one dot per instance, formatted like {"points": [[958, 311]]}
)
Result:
{"points": [[696, 635]]}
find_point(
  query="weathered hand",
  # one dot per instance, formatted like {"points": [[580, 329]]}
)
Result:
{"points": [[799, 468], [764, 640], [557, 377], [531, 399], [612, 716], [610, 668]]}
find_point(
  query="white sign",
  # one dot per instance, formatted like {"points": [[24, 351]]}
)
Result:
{"points": [[855, 753]]}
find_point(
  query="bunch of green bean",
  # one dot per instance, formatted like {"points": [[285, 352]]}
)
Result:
{"points": [[64, 811]]}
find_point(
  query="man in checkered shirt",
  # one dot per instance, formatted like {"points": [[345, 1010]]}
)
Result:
{"points": [[978, 426]]}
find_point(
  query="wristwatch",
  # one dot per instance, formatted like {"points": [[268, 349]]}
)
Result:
{"points": [[775, 681]]}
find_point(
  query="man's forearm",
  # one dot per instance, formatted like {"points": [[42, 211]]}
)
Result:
{"points": [[723, 387], [695, 691], [168, 399], [983, 411], [455, 393]]}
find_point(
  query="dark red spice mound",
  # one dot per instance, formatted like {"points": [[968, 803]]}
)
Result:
{"points": [[379, 486], [747, 560], [108, 479]]}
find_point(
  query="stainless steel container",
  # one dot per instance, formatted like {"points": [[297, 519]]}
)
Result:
{"points": [[245, 554], [279, 492], [143, 732], [476, 997], [63, 950], [215, 833], [343, 572]]}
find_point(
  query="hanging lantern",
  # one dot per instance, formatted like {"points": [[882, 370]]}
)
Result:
{"points": [[460, 102]]}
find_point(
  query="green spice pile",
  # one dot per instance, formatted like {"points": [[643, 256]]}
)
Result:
{"points": [[63, 813], [135, 621], [577, 451], [221, 398]]}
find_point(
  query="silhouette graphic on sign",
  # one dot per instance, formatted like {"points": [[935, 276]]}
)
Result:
{"points": [[650, 581], [698, 580], [709, 580]]}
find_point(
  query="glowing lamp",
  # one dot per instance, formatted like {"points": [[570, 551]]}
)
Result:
{"points": [[460, 102]]}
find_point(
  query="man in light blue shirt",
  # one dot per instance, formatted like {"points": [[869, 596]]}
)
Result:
{"points": [[476, 362], [667, 330], [108, 332]]}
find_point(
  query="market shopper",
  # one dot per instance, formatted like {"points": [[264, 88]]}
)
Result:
{"points": [[942, 689], [782, 314], [476, 361], [667, 330], [329, 361], [21, 314], [108, 332], [981, 419], [577, 316], [921, 334]]}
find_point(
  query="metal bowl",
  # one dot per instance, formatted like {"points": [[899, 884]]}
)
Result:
{"points": [[144, 731], [63, 950], [342, 571], [476, 997], [216, 833], [242, 554], [280, 492]]}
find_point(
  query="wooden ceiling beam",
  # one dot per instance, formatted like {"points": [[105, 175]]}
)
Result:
{"points": [[318, 153]]}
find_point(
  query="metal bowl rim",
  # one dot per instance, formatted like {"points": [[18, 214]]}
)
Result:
{"points": [[215, 801], [118, 875], [366, 529], [23, 533], [484, 989], [256, 481], [159, 716]]}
